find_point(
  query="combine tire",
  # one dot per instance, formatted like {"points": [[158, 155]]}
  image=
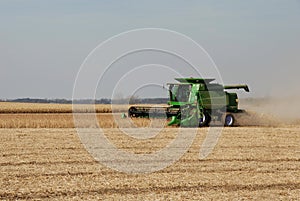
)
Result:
{"points": [[229, 120], [132, 112], [205, 120]]}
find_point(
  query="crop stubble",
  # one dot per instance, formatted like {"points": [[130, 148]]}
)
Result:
{"points": [[42, 158], [248, 163]]}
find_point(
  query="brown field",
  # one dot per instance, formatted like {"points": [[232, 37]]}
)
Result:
{"points": [[42, 158], [7, 107]]}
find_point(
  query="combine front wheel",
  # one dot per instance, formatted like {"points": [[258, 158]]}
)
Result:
{"points": [[205, 120]]}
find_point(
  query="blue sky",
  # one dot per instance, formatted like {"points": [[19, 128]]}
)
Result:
{"points": [[43, 42]]}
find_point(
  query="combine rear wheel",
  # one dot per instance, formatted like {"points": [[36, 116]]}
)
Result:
{"points": [[229, 120]]}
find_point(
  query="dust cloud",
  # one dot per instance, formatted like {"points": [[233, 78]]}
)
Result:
{"points": [[270, 111]]}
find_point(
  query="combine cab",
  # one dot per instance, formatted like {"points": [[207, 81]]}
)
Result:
{"points": [[195, 102]]}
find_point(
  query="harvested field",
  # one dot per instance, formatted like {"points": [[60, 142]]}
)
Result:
{"points": [[43, 158], [247, 163]]}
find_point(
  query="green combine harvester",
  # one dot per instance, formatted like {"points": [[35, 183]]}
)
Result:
{"points": [[195, 102]]}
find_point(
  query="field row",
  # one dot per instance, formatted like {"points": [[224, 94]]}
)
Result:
{"points": [[109, 120], [83, 120]]}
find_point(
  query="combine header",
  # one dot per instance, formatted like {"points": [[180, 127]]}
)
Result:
{"points": [[195, 102]]}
